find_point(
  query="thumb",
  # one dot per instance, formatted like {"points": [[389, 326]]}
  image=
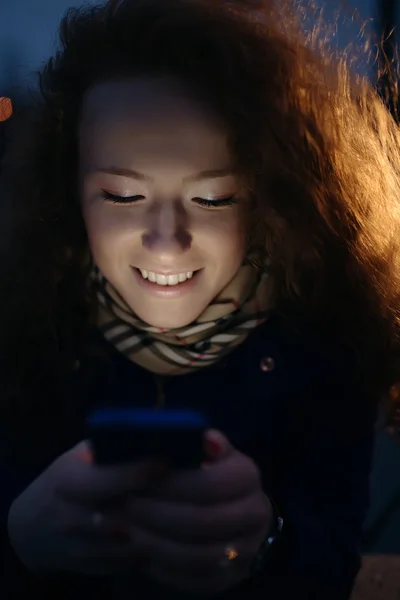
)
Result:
{"points": [[78, 479], [84, 452], [216, 445]]}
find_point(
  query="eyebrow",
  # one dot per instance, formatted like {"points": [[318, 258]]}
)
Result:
{"points": [[132, 174]]}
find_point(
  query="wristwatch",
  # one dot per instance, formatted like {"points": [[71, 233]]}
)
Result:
{"points": [[264, 554]]}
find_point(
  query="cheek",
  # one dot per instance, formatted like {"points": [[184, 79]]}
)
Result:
{"points": [[227, 240], [107, 230]]}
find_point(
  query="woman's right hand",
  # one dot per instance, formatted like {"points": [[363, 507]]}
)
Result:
{"points": [[52, 524]]}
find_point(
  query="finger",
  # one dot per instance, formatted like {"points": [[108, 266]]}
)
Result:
{"points": [[223, 480], [85, 453], [90, 547], [216, 445], [79, 480], [192, 558], [97, 556], [95, 524], [202, 523]]}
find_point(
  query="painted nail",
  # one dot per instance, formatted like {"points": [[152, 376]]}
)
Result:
{"points": [[86, 455], [213, 448]]}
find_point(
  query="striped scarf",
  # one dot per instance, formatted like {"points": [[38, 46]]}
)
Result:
{"points": [[242, 305]]}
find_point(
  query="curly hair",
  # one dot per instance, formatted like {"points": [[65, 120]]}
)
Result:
{"points": [[316, 146]]}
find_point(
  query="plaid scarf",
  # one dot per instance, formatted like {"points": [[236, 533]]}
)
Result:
{"points": [[242, 305]]}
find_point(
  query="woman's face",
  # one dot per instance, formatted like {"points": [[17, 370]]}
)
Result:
{"points": [[163, 207]]}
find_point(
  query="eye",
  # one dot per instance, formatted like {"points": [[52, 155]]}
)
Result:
{"points": [[120, 199], [215, 203]]}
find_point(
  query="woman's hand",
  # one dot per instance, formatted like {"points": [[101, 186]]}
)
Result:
{"points": [[190, 522], [53, 525], [179, 528]]}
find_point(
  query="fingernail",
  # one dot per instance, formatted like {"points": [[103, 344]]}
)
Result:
{"points": [[86, 455], [213, 448]]}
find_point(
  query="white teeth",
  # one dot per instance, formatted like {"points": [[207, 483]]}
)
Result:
{"points": [[166, 279], [161, 279], [171, 279]]}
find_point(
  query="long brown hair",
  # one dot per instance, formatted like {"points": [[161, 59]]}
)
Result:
{"points": [[315, 144]]}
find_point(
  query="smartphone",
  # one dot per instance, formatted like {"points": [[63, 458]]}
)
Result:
{"points": [[122, 435]]}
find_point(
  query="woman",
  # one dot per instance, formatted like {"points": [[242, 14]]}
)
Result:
{"points": [[204, 215]]}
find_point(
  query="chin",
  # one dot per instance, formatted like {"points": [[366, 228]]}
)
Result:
{"points": [[170, 321]]}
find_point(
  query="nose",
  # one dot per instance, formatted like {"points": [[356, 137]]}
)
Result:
{"points": [[167, 231]]}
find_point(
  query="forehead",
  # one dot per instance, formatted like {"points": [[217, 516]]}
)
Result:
{"points": [[149, 120]]}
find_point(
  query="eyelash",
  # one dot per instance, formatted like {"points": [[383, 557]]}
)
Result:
{"points": [[228, 201], [120, 199], [218, 203]]}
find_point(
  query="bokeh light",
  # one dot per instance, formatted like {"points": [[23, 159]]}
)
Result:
{"points": [[6, 108]]}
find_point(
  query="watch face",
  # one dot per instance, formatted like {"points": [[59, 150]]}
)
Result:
{"points": [[262, 556], [264, 553]]}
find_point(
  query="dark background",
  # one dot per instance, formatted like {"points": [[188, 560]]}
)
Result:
{"points": [[28, 34]]}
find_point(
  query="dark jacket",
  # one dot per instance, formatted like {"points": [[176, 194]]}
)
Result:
{"points": [[307, 422]]}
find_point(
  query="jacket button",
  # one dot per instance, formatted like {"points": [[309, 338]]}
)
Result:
{"points": [[267, 364]]}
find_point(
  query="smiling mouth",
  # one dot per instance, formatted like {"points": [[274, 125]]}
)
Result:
{"points": [[166, 280]]}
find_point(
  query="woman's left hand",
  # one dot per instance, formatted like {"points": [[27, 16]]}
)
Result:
{"points": [[193, 524]]}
